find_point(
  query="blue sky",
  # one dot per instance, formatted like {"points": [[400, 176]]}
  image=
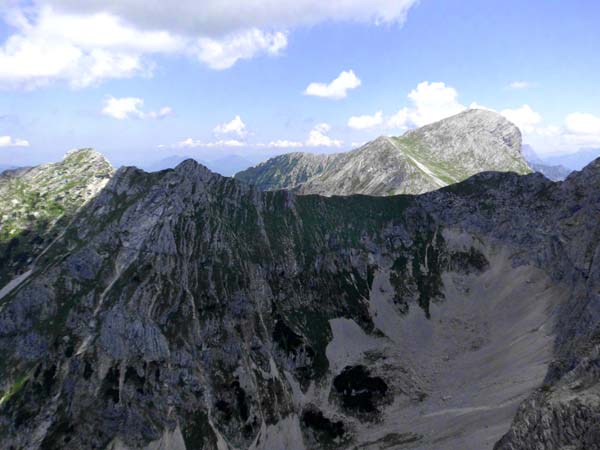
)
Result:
{"points": [[144, 83]]}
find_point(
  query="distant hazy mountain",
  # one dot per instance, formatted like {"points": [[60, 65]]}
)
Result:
{"points": [[421, 160], [165, 163], [577, 160], [4, 167], [530, 154], [552, 172], [226, 166]]}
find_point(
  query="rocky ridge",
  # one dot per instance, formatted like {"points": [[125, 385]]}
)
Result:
{"points": [[421, 160], [184, 310], [36, 203]]}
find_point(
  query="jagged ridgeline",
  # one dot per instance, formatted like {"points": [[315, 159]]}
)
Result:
{"points": [[37, 203], [185, 310], [421, 160]]}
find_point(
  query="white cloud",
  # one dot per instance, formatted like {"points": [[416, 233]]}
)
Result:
{"points": [[218, 17], [336, 89], [123, 108], [318, 137], [583, 123], [81, 50], [431, 102], [521, 85], [578, 131], [8, 141], [284, 143], [130, 107], [524, 117], [548, 131], [366, 121], [475, 105], [162, 112], [84, 43], [400, 120], [192, 143], [224, 53], [234, 126]]}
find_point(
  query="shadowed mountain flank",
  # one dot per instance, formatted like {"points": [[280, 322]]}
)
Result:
{"points": [[185, 310]]}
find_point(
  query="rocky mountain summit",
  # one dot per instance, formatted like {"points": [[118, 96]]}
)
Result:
{"points": [[421, 160], [185, 310], [37, 203]]}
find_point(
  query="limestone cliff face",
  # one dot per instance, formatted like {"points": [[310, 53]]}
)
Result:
{"points": [[421, 160], [36, 203], [185, 310]]}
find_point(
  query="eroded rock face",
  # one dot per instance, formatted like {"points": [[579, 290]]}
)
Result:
{"points": [[182, 309], [421, 160]]}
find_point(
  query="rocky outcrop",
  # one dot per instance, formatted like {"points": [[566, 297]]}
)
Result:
{"points": [[421, 160], [36, 204], [187, 310]]}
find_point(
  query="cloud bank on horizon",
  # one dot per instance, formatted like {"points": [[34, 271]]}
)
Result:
{"points": [[94, 53]]}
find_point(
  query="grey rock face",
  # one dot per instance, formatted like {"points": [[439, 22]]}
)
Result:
{"points": [[421, 160], [181, 309]]}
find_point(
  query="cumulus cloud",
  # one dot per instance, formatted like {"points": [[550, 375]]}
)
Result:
{"points": [[193, 143], [524, 117], [431, 102], [521, 85], [583, 123], [284, 143], [578, 130], [218, 18], [130, 107], [234, 126], [366, 121], [9, 141], [475, 105], [224, 53], [318, 137], [162, 112], [336, 89], [81, 50], [85, 43]]}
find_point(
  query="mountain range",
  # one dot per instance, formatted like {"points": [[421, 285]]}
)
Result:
{"points": [[184, 310]]}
